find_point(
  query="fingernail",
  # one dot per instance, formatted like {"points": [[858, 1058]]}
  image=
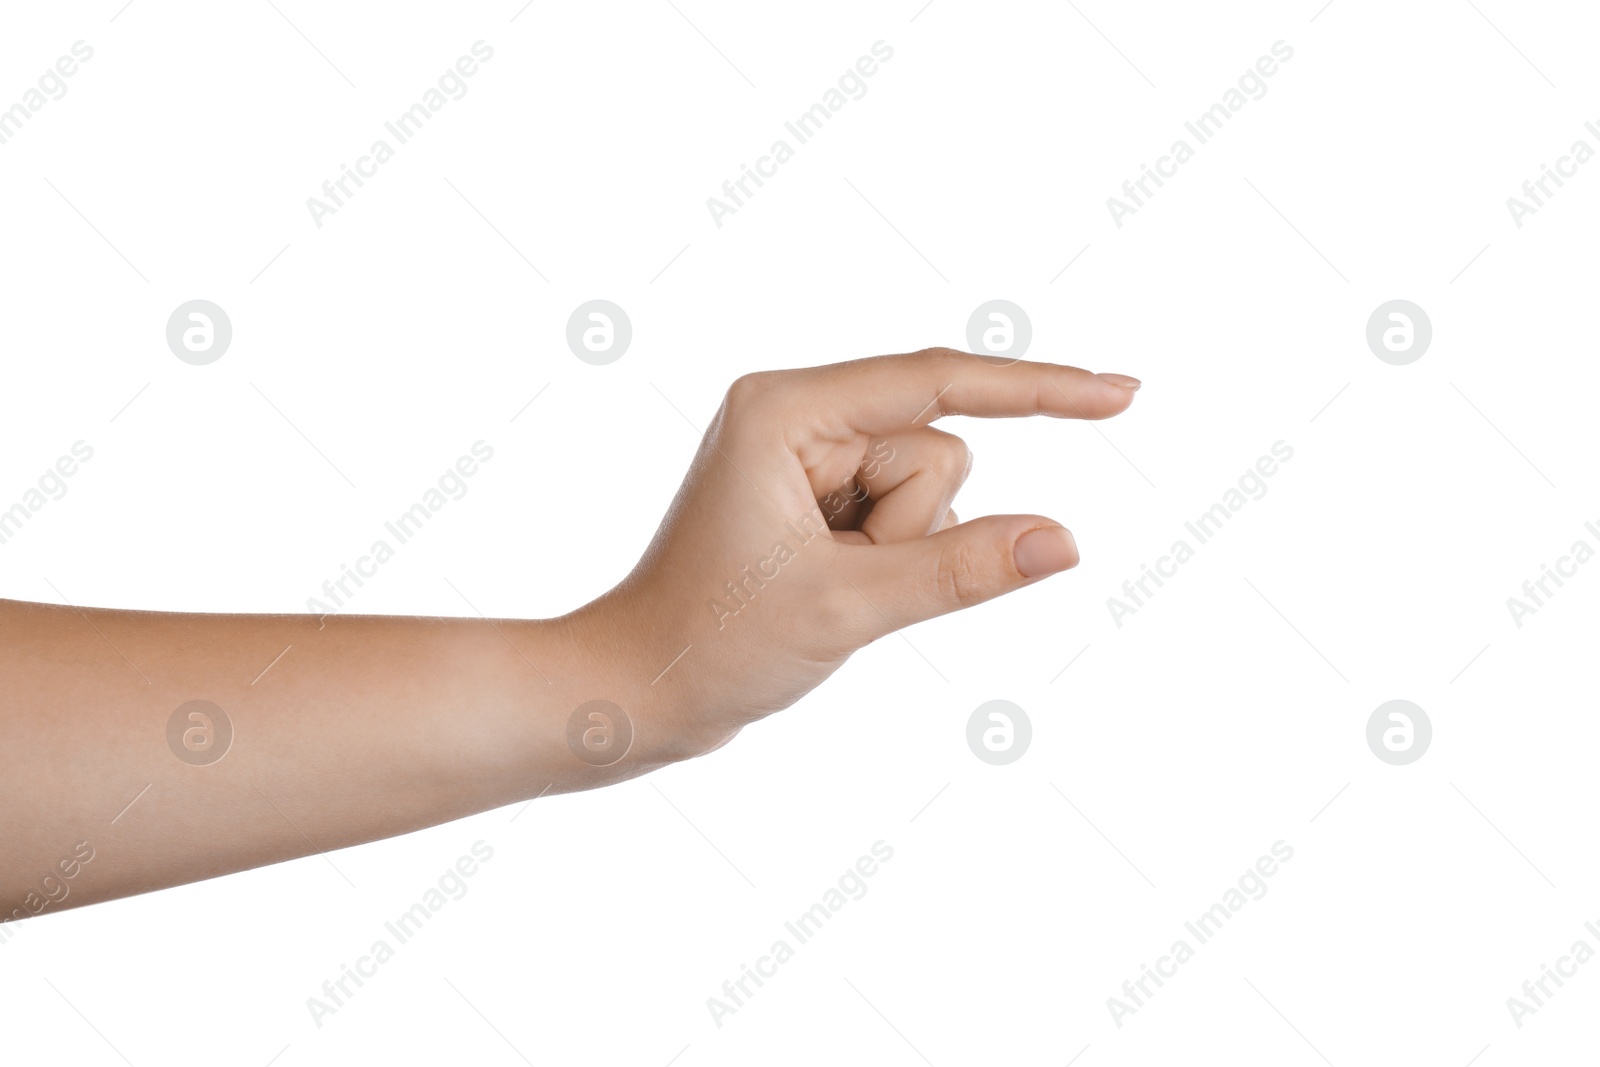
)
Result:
{"points": [[1121, 380], [1045, 551]]}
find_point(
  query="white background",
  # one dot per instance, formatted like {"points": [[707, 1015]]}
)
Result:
{"points": [[1224, 716]]}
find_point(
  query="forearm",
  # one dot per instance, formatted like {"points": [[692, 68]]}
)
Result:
{"points": [[361, 728], [815, 519]]}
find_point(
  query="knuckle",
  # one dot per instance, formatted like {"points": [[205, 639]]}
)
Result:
{"points": [[838, 613], [751, 403], [953, 458], [749, 390], [961, 575], [947, 357]]}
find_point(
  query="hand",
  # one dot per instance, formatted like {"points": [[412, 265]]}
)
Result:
{"points": [[815, 519]]}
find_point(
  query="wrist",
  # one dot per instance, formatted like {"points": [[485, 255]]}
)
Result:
{"points": [[624, 685]]}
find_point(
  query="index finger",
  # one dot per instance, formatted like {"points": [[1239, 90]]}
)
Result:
{"points": [[886, 394]]}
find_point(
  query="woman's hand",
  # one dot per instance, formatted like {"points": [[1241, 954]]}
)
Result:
{"points": [[815, 519]]}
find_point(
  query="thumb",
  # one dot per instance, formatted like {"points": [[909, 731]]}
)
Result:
{"points": [[910, 581]]}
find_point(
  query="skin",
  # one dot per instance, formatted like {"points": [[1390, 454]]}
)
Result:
{"points": [[374, 726]]}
